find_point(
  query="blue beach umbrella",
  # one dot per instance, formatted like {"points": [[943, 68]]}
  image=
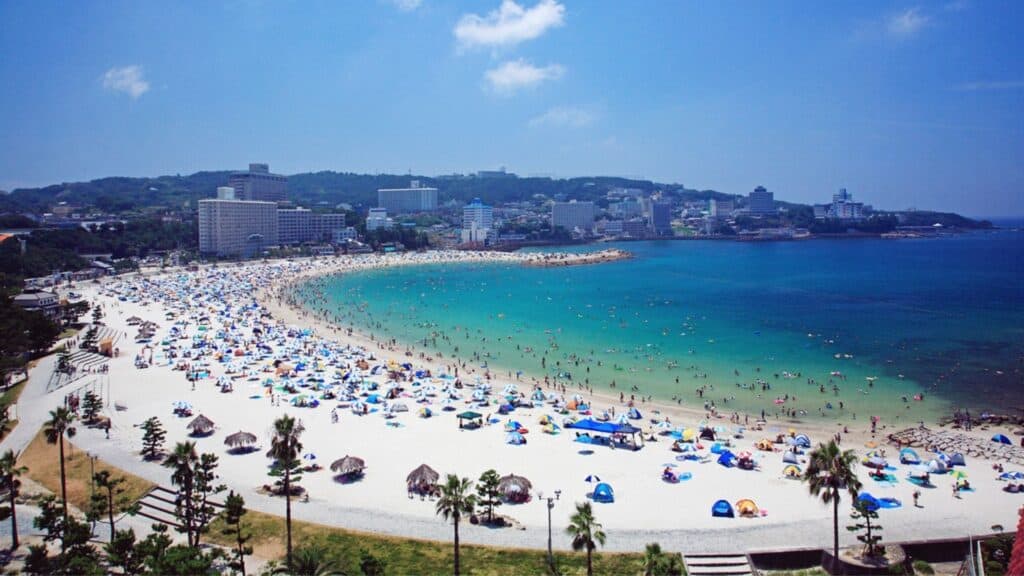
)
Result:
{"points": [[593, 478]]}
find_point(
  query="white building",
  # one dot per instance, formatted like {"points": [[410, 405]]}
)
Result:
{"points": [[225, 193], [294, 225], [344, 235], [477, 222], [572, 215], [236, 227], [258, 184], [378, 219], [721, 208], [415, 198], [842, 208]]}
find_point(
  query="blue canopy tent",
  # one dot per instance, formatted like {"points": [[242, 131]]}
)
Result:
{"points": [[1001, 438], [722, 509], [870, 502], [603, 493], [908, 456], [591, 425]]}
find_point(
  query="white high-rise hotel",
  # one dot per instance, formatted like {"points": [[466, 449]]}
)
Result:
{"points": [[415, 198], [236, 227], [477, 221]]}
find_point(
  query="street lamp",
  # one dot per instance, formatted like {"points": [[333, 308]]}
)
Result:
{"points": [[551, 504]]}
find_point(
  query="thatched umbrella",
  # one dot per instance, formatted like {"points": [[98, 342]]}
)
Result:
{"points": [[422, 476], [240, 439], [513, 485], [348, 465], [201, 425]]}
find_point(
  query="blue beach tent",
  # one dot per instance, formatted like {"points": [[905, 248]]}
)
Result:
{"points": [[802, 440], [635, 414], [603, 493], [1001, 438], [870, 502], [908, 456], [726, 458], [722, 509], [790, 458]]}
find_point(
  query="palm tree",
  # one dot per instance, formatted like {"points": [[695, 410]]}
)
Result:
{"points": [[285, 449], [183, 461], [56, 428], [9, 473], [586, 533], [456, 501], [310, 561], [829, 472]]}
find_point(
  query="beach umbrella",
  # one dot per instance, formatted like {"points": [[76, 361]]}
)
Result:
{"points": [[515, 438], [423, 474], [201, 425], [309, 457], [348, 465], [239, 439], [514, 484], [593, 478]]}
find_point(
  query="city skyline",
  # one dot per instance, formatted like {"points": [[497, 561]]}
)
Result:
{"points": [[903, 104]]}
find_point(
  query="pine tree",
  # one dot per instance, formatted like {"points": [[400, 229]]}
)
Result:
{"points": [[153, 439], [867, 512], [111, 495], [205, 486], [91, 406], [234, 510], [488, 494]]}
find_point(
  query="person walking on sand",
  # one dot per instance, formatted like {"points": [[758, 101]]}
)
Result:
{"points": [[917, 496]]}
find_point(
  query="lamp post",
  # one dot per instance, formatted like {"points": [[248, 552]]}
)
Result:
{"points": [[551, 504]]}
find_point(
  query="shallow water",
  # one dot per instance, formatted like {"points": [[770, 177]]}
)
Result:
{"points": [[940, 317]]}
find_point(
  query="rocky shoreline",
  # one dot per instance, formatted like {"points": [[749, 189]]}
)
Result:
{"points": [[951, 442], [563, 259]]}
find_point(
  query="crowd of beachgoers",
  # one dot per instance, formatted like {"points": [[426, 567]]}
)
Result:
{"points": [[232, 344]]}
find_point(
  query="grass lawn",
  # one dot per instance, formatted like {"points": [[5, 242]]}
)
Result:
{"points": [[43, 462], [410, 556], [10, 396]]}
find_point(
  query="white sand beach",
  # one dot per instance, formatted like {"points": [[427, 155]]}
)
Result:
{"points": [[232, 322]]}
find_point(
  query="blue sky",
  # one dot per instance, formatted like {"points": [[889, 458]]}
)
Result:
{"points": [[905, 104]]}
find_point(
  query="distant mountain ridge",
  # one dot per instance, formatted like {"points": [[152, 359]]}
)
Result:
{"points": [[121, 195]]}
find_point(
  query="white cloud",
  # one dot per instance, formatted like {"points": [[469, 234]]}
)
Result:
{"points": [[563, 116], [907, 23], [998, 85], [406, 5], [516, 74], [509, 25], [127, 79]]}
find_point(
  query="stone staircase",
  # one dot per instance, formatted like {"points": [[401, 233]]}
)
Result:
{"points": [[718, 565], [159, 504]]}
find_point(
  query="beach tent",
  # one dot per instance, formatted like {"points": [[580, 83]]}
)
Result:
{"points": [[791, 471], [1001, 438], [875, 462], [957, 460], [515, 438], [870, 502], [722, 509], [746, 507], [1012, 476], [717, 448], [802, 440], [689, 435], [726, 458], [789, 457], [635, 414], [707, 434], [936, 466], [603, 493], [908, 456]]}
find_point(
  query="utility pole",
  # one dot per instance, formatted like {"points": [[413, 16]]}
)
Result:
{"points": [[551, 504]]}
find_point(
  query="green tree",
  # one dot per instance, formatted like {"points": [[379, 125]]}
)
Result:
{"points": [[870, 538], [205, 486], [77, 555], [234, 510], [11, 485], [91, 406], [285, 448], [455, 502], [97, 314], [72, 311], [64, 360], [829, 472], [121, 553], [658, 563], [56, 428], [183, 462], [152, 439], [5, 420], [312, 561], [586, 533], [111, 491], [487, 492]]}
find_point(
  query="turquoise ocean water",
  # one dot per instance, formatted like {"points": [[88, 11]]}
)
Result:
{"points": [[751, 323]]}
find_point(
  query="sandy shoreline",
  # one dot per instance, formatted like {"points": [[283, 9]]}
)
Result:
{"points": [[235, 298]]}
